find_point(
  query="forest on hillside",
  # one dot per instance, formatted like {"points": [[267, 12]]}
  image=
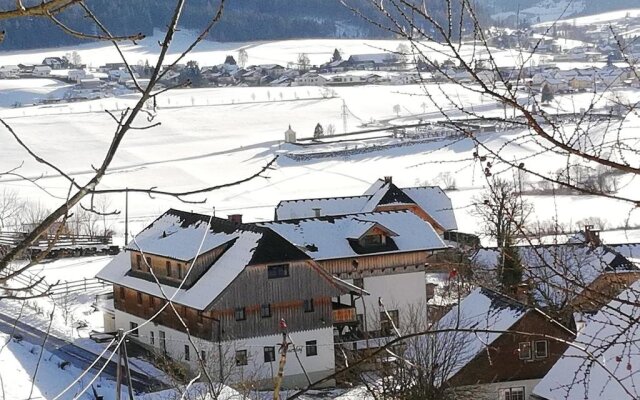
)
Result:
{"points": [[243, 20]]}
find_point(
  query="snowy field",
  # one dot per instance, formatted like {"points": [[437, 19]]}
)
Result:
{"points": [[208, 53], [199, 145], [603, 18], [545, 10]]}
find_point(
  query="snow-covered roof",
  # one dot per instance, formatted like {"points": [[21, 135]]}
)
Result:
{"points": [[482, 310], [169, 237], [560, 271], [431, 199], [249, 244], [611, 337], [304, 208], [204, 291], [270, 66], [435, 202], [377, 58], [332, 236]]}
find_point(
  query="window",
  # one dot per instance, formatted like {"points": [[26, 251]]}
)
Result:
{"points": [[133, 327], [152, 338], [269, 354], [203, 356], [524, 350], [278, 271], [139, 298], [187, 356], [168, 268], [179, 271], [241, 315], [308, 305], [372, 240], [122, 293], [200, 317], [241, 357], [163, 341], [540, 349], [265, 310], [386, 326], [138, 261], [312, 348], [148, 262], [152, 302], [516, 393], [359, 282]]}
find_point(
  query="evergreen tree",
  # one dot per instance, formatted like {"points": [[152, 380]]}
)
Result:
{"points": [[510, 268], [547, 94], [336, 55], [318, 132], [192, 73]]}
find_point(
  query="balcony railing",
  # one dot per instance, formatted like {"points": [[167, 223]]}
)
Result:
{"points": [[344, 314]]}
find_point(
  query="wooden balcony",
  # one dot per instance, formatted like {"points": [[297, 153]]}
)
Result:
{"points": [[343, 314]]}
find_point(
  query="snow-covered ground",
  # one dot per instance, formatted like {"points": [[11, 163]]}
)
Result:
{"points": [[19, 360], [208, 53], [602, 18], [20, 92], [544, 10], [219, 135], [195, 145]]}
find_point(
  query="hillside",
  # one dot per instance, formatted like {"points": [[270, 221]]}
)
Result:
{"points": [[242, 20], [510, 12]]}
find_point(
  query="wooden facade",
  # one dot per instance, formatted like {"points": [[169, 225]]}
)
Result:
{"points": [[172, 271], [375, 264], [303, 299], [417, 210], [501, 361], [603, 289]]}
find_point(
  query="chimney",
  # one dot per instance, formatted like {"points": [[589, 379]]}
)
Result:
{"points": [[522, 292], [388, 179], [235, 218], [592, 236], [317, 212]]}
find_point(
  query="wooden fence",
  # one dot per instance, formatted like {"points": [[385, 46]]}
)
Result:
{"points": [[59, 290], [64, 246]]}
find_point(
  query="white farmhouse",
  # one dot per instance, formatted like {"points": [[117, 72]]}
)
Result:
{"points": [[41, 70], [232, 284], [310, 79]]}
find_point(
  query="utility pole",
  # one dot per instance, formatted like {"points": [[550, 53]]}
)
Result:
{"points": [[284, 347], [345, 114], [126, 216], [119, 369], [123, 361]]}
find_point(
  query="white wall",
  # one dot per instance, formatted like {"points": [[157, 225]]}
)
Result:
{"points": [[317, 367], [404, 292], [492, 390]]}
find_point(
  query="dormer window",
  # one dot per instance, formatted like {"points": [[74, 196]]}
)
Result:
{"points": [[370, 237], [372, 240]]}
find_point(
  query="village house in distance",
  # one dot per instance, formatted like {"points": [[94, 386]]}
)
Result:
{"points": [[342, 283]]}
